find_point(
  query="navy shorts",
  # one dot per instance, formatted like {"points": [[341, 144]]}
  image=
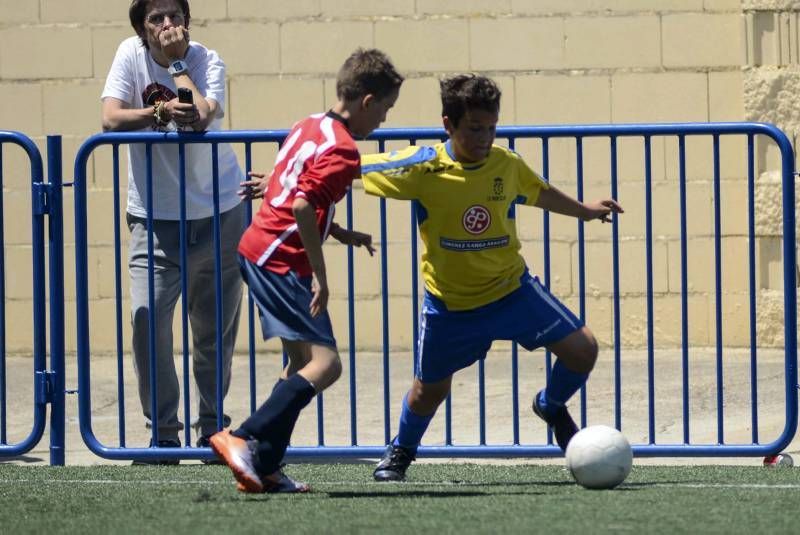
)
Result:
{"points": [[450, 341], [283, 301]]}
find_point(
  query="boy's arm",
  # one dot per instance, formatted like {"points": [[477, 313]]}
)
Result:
{"points": [[352, 237], [306, 217], [395, 175], [555, 200]]}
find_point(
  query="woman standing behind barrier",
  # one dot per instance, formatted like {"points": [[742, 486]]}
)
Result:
{"points": [[140, 94]]}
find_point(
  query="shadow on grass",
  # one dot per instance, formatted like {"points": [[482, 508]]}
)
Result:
{"points": [[418, 494], [20, 459], [639, 485], [300, 459], [205, 496], [499, 483]]}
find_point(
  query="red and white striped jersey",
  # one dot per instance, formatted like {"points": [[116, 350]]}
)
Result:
{"points": [[318, 161]]}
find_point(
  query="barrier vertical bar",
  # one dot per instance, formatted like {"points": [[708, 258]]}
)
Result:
{"points": [[684, 286], [548, 359], [251, 323], [39, 298], [414, 286], [184, 262], [448, 404], [789, 282], [351, 325], [514, 365], [82, 296], [151, 300], [581, 259], [118, 294], [718, 286], [648, 185], [751, 253], [217, 285], [56, 265], [482, 402], [615, 282], [387, 430], [3, 437], [414, 283]]}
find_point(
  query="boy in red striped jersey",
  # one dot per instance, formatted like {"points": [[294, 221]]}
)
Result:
{"points": [[283, 264]]}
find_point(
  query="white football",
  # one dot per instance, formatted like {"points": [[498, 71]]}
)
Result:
{"points": [[599, 457]]}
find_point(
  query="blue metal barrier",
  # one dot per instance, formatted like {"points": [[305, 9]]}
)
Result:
{"points": [[613, 133], [47, 384], [84, 351]]}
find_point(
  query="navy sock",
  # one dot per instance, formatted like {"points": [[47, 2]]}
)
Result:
{"points": [[272, 424], [244, 435], [563, 385], [412, 427]]}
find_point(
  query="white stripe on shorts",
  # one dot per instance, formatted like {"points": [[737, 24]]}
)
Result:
{"points": [[422, 326], [555, 305]]}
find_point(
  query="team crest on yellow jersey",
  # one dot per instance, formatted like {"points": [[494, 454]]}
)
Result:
{"points": [[476, 219], [498, 192]]}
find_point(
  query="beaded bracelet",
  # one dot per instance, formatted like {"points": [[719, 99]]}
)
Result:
{"points": [[157, 114]]}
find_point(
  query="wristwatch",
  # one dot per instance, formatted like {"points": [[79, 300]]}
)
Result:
{"points": [[177, 67]]}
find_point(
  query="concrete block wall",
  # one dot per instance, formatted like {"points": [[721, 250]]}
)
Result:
{"points": [[557, 62], [771, 74]]}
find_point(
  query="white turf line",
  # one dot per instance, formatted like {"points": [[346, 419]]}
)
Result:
{"points": [[758, 486]]}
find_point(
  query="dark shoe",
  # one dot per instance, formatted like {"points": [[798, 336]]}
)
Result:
{"points": [[560, 422], [160, 462], [393, 464], [205, 442]]}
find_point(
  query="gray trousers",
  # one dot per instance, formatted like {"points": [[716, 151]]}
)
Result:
{"points": [[201, 310]]}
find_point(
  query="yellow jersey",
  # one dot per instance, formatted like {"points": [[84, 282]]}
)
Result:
{"points": [[466, 216]]}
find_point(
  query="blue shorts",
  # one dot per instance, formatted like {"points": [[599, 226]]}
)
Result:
{"points": [[451, 341], [283, 303]]}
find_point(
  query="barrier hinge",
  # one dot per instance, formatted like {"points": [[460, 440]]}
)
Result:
{"points": [[45, 387], [41, 198]]}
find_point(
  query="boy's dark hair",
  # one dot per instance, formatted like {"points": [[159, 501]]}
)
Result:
{"points": [[138, 10], [468, 91], [367, 72]]}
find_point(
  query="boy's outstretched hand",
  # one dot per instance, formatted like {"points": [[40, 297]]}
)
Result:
{"points": [[354, 238], [602, 210]]}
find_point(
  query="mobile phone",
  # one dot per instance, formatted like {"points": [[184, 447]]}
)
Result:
{"points": [[185, 95]]}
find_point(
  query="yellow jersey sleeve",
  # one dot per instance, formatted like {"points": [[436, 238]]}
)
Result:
{"points": [[396, 174], [530, 183]]}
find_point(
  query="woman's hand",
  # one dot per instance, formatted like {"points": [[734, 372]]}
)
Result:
{"points": [[255, 187]]}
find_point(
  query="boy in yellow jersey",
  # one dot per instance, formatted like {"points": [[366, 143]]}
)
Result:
{"points": [[477, 286]]}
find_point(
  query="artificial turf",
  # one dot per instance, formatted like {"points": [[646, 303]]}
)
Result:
{"points": [[437, 498]]}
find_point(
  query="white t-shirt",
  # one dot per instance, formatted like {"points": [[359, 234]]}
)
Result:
{"points": [[135, 78]]}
